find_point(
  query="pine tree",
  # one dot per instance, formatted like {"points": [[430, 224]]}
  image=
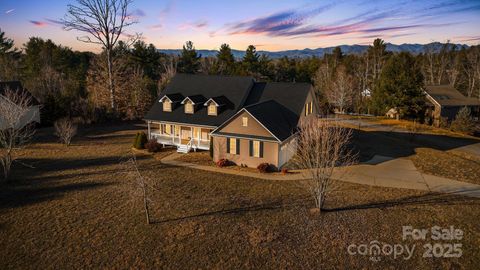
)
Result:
{"points": [[226, 60], [250, 60], [399, 86], [189, 59], [9, 59]]}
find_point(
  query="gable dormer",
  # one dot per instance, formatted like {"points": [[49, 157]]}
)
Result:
{"points": [[216, 104], [170, 102], [192, 103]]}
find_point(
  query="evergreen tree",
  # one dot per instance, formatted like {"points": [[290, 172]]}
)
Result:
{"points": [[250, 60], [226, 61], [9, 59], [189, 61], [7, 45], [266, 67], [400, 86]]}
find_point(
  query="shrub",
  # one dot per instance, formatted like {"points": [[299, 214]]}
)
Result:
{"points": [[265, 168], [153, 146], [65, 130], [224, 163], [140, 140], [463, 122]]}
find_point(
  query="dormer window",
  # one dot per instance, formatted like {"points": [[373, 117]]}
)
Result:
{"points": [[167, 106], [215, 105], [189, 107], [212, 109], [191, 103]]}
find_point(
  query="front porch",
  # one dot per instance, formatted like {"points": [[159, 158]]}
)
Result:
{"points": [[184, 137]]}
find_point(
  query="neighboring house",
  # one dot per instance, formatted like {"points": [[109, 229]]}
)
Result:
{"points": [[250, 122], [445, 102], [32, 115], [393, 113]]}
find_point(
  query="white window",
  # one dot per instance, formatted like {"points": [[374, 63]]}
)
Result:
{"points": [[167, 106], [166, 129], [245, 121], [188, 107], [212, 109], [308, 108], [256, 148], [233, 146]]}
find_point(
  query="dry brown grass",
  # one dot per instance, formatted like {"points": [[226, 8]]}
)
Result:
{"points": [[74, 211], [453, 164]]}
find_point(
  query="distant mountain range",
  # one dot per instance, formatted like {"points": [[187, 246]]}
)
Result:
{"points": [[319, 52]]}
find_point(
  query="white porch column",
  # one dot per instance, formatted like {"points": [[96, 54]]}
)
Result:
{"points": [[149, 134]]}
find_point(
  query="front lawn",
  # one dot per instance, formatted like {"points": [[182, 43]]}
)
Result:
{"points": [[76, 209]]}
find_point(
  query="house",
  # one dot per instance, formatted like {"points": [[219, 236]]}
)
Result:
{"points": [[444, 102], [245, 121], [32, 115]]}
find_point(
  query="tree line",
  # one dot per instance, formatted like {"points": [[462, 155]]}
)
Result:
{"points": [[78, 84]]}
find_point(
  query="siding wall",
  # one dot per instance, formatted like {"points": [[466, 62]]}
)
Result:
{"points": [[270, 152], [253, 128], [287, 151]]}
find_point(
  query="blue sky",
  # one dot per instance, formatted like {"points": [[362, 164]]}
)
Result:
{"points": [[268, 24]]}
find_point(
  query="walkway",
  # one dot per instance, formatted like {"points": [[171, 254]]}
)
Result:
{"points": [[379, 171]]}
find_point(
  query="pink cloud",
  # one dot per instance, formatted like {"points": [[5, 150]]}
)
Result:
{"points": [[196, 25], [39, 23]]}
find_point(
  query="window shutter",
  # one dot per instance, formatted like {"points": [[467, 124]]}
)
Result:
{"points": [[261, 149], [238, 146], [250, 146], [228, 145]]}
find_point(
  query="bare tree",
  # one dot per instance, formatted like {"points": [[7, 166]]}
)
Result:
{"points": [[104, 22], [65, 130], [321, 147], [140, 182], [208, 65], [470, 70], [16, 127], [170, 70], [341, 91]]}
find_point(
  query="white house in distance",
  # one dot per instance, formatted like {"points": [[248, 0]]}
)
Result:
{"points": [[32, 115]]}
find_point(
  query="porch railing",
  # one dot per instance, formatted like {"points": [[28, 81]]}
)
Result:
{"points": [[172, 140]]}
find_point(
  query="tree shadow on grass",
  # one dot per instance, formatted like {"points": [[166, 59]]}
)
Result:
{"points": [[239, 210], [416, 200], [44, 166], [12, 196]]}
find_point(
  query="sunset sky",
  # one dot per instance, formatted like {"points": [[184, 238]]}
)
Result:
{"points": [[269, 24]]}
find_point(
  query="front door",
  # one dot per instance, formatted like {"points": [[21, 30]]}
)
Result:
{"points": [[186, 134]]}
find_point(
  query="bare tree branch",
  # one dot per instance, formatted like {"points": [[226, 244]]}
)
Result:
{"points": [[104, 22], [16, 127]]}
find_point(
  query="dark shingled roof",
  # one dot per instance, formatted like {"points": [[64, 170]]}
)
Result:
{"points": [[277, 106], [174, 97], [221, 100], [234, 88], [446, 95], [198, 99], [16, 86], [278, 119], [290, 95]]}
